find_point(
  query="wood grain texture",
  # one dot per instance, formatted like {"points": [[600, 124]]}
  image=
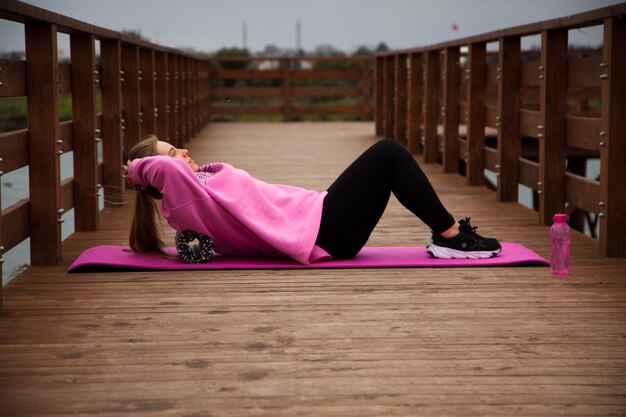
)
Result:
{"points": [[399, 342]]}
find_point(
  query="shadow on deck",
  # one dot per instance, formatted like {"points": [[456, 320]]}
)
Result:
{"points": [[474, 341]]}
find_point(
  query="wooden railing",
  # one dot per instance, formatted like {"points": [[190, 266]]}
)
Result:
{"points": [[533, 118], [144, 89], [292, 88]]}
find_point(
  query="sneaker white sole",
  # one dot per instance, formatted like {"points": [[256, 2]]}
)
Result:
{"points": [[447, 253]]}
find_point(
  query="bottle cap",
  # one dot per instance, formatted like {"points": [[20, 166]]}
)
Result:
{"points": [[559, 218]]}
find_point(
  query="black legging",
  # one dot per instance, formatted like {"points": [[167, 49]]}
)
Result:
{"points": [[358, 198]]}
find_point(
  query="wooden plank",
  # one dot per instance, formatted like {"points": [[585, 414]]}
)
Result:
{"points": [[147, 89], [325, 74], [431, 114], [83, 51], [528, 173], [174, 132], [401, 108], [65, 78], [111, 131], [451, 110], [12, 78], [16, 224], [13, 150], [131, 96], [288, 72], [528, 122], [509, 142], [379, 93], [182, 101], [196, 108], [389, 97], [553, 117], [491, 116], [491, 75], [162, 93], [582, 192], [415, 103], [491, 159], [223, 92], [247, 74], [215, 109], [584, 71], [66, 136], [67, 194], [323, 92], [325, 109], [365, 90], [529, 73], [476, 118], [584, 132], [613, 153], [43, 132]]}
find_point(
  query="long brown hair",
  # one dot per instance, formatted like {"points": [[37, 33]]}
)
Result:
{"points": [[144, 232]]}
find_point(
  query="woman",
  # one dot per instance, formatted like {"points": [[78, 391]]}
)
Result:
{"points": [[248, 217]]}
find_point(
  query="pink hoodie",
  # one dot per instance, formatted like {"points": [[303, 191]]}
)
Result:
{"points": [[244, 216]]}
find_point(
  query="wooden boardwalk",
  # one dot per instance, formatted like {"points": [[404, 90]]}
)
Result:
{"points": [[427, 342]]}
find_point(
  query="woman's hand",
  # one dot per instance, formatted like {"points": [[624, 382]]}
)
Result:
{"points": [[125, 172], [127, 177]]}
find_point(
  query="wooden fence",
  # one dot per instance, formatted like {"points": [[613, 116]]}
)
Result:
{"points": [[292, 88], [144, 89], [533, 118]]}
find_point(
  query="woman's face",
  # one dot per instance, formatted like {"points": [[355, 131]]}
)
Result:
{"points": [[166, 149]]}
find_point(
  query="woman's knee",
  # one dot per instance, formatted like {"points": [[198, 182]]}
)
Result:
{"points": [[391, 146]]}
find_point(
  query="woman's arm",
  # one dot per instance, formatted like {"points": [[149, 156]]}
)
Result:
{"points": [[172, 177]]}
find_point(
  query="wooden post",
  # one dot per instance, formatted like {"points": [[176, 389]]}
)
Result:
{"points": [[196, 98], [509, 144], [86, 187], [190, 97], [400, 132], [112, 152], [208, 92], [161, 98], [414, 102], [451, 110], [173, 108], [553, 96], [365, 89], [42, 71], [182, 111], [131, 121], [286, 89], [613, 140], [147, 86], [431, 116], [476, 117], [389, 96], [380, 92]]}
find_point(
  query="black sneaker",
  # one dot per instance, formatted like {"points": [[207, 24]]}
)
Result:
{"points": [[467, 244]]}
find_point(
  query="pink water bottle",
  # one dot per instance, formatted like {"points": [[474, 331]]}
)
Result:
{"points": [[559, 242]]}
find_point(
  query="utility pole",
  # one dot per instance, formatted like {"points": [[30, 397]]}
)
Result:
{"points": [[298, 38], [244, 35]]}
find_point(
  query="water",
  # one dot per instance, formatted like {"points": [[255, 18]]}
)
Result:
{"points": [[15, 188]]}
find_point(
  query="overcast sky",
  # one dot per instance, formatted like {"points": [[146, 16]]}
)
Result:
{"points": [[207, 25]]}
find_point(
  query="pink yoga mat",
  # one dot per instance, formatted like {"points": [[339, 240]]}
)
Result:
{"points": [[114, 258]]}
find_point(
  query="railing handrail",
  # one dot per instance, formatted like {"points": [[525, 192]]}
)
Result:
{"points": [[541, 140], [590, 18]]}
